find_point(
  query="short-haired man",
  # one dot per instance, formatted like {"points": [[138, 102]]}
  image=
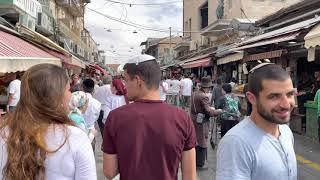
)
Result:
{"points": [[261, 146], [94, 107], [102, 93], [186, 91], [148, 138]]}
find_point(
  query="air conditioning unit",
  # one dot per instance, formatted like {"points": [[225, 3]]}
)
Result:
{"points": [[45, 22], [193, 45], [28, 21]]}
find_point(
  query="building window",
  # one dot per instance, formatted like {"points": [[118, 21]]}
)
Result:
{"points": [[230, 4], [204, 15]]}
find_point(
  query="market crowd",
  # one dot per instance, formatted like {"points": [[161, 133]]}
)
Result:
{"points": [[151, 126]]}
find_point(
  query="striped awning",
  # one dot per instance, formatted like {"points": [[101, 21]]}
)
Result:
{"points": [[17, 54], [205, 62], [312, 39], [230, 58], [265, 55], [277, 39]]}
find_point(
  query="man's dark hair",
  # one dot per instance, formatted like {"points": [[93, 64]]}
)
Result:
{"points": [[227, 88], [18, 76], [267, 72], [149, 71], [88, 85], [219, 81]]}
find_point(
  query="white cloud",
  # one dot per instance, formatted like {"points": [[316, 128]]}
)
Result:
{"points": [[125, 43]]}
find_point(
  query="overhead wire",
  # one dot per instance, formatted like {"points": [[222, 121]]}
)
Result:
{"points": [[139, 26], [128, 22], [145, 4]]}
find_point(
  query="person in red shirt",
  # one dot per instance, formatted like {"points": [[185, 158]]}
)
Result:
{"points": [[148, 138]]}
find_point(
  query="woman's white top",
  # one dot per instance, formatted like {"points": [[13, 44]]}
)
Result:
{"points": [[114, 102], [73, 161]]}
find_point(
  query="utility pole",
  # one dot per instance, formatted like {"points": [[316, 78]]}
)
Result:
{"points": [[170, 37]]}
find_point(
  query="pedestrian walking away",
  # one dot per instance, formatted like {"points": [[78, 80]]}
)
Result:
{"points": [[200, 112], [217, 93], [261, 146], [186, 91], [230, 104], [163, 89], [38, 141], [118, 98], [102, 94], [92, 113], [14, 93], [148, 139]]}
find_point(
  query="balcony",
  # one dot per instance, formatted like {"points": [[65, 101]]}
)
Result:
{"points": [[12, 9], [75, 7], [182, 46], [66, 32], [217, 28]]}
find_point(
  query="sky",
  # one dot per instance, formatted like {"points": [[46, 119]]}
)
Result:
{"points": [[121, 43]]}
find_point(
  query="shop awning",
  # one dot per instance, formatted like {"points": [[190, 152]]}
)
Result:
{"points": [[312, 39], [17, 54], [265, 55], [77, 62], [101, 69], [198, 63], [230, 58], [277, 39], [282, 31], [97, 69]]}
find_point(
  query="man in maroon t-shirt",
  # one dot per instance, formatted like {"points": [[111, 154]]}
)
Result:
{"points": [[148, 138]]}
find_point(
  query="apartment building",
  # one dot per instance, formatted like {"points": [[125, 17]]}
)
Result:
{"points": [[216, 22], [161, 48]]}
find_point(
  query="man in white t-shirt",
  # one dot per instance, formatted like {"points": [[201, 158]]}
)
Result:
{"points": [[92, 113], [175, 89], [102, 94], [186, 91], [163, 90], [14, 93]]}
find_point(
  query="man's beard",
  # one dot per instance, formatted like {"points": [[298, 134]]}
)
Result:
{"points": [[268, 116]]}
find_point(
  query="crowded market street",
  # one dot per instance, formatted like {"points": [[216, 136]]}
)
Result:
{"points": [[160, 90]]}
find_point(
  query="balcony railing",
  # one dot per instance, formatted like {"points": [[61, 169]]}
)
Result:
{"points": [[68, 33]]}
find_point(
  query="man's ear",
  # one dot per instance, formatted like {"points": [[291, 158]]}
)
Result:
{"points": [[251, 97], [138, 80]]}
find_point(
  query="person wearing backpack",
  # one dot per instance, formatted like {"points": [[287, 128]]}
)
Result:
{"points": [[230, 104]]}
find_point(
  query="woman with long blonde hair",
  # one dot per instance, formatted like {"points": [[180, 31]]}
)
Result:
{"points": [[38, 141]]}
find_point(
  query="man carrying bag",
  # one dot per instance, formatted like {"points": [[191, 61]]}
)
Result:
{"points": [[201, 111]]}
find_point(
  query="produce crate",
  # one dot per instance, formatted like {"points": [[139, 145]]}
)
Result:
{"points": [[312, 120]]}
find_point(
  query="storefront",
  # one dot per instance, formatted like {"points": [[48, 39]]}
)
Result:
{"points": [[16, 56]]}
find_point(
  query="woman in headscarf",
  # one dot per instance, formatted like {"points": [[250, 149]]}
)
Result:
{"points": [[78, 105], [119, 97]]}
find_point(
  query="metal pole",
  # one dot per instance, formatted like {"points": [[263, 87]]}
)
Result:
{"points": [[170, 38]]}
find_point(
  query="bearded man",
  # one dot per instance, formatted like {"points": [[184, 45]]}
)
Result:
{"points": [[261, 146]]}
